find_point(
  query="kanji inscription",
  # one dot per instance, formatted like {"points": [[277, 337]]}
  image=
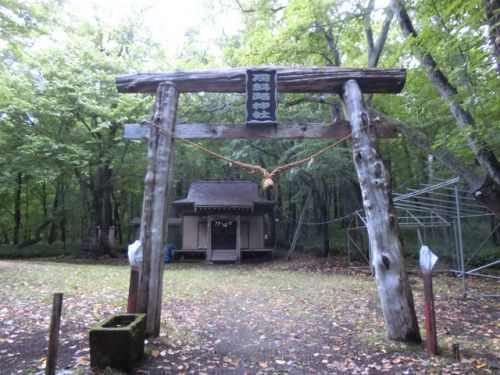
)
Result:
{"points": [[261, 97]]}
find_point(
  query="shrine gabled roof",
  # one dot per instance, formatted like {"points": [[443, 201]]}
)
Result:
{"points": [[223, 194]]}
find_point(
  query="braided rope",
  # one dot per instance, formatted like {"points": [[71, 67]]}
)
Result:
{"points": [[267, 177]]}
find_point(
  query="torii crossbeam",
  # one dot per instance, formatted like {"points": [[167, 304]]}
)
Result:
{"points": [[290, 80]]}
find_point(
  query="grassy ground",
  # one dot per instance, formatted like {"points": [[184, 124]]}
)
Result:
{"points": [[306, 316]]}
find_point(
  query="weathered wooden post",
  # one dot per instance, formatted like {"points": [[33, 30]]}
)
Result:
{"points": [[155, 205], [133, 290], [55, 324], [427, 262], [392, 282], [431, 344]]}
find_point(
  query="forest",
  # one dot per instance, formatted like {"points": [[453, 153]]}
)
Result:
{"points": [[416, 167], [66, 170]]}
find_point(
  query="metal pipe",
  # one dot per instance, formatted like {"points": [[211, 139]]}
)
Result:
{"points": [[455, 240], [428, 189], [460, 242], [432, 206], [483, 267], [476, 275]]}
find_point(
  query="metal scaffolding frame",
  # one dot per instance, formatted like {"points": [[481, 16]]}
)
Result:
{"points": [[442, 204]]}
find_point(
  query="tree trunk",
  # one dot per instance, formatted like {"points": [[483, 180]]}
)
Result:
{"points": [[44, 199], [17, 208], [89, 238], [27, 229], [117, 220], [103, 208], [56, 206], [101, 187], [493, 16], [394, 288], [5, 235], [375, 48], [325, 227], [38, 233], [63, 214]]}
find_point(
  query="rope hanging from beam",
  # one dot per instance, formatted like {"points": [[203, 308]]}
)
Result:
{"points": [[267, 177]]}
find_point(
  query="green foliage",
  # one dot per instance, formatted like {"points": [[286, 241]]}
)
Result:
{"points": [[61, 117], [21, 21], [456, 34]]}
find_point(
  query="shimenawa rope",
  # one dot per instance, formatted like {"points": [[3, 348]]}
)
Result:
{"points": [[267, 177]]}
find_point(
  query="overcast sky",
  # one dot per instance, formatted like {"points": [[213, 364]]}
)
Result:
{"points": [[168, 19]]}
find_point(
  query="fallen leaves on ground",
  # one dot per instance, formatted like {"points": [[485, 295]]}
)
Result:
{"points": [[306, 316]]}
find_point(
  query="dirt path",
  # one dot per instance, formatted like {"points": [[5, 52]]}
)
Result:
{"points": [[4, 265]]}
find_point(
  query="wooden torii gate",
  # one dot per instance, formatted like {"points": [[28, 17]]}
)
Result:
{"points": [[394, 288]]}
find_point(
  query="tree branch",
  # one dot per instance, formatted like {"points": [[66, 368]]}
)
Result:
{"points": [[374, 57], [332, 44], [273, 10], [264, 151], [484, 156], [483, 189], [368, 27], [422, 141]]}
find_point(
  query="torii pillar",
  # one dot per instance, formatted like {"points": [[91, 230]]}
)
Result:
{"points": [[155, 205]]}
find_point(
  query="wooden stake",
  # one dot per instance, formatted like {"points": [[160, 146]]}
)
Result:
{"points": [[133, 291], [430, 316], [55, 324]]}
